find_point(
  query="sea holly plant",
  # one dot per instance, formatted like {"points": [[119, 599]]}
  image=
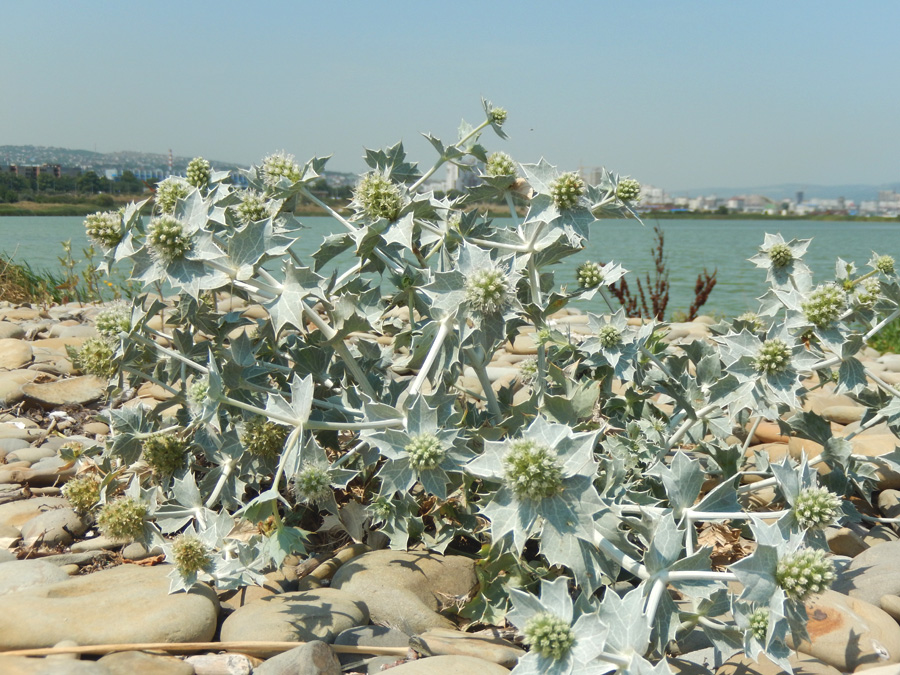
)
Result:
{"points": [[363, 398]]}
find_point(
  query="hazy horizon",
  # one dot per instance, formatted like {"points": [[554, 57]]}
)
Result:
{"points": [[679, 95]]}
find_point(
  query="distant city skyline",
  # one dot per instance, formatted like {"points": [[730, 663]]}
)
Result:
{"points": [[680, 95]]}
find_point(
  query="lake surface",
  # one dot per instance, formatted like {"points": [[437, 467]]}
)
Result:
{"points": [[690, 245]]}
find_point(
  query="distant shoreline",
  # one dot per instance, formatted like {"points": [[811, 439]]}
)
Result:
{"points": [[497, 210]]}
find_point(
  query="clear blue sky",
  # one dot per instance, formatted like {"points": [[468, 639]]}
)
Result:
{"points": [[677, 93]]}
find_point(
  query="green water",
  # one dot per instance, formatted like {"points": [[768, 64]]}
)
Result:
{"points": [[690, 245]]}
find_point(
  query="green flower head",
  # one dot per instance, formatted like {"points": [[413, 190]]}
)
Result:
{"points": [[589, 274], [82, 493], [759, 624], [311, 484], [167, 239], [425, 452], [378, 196], [885, 264], [110, 322], [104, 228], [500, 164], [488, 290], [824, 306], [781, 255], [869, 291], [549, 635], [123, 519], [816, 508], [567, 190], [628, 190], [253, 207], [498, 116], [97, 357], [198, 172], [804, 573], [169, 191], [190, 554], [609, 336], [165, 453], [774, 357], [264, 438], [280, 165], [532, 471]]}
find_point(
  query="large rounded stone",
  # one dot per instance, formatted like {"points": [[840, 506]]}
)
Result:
{"points": [[312, 658], [848, 633], [18, 575], [129, 603], [18, 513], [440, 642], [403, 589], [14, 353], [449, 665], [132, 663], [53, 528], [873, 573], [10, 330], [74, 391], [306, 615], [11, 385], [24, 665]]}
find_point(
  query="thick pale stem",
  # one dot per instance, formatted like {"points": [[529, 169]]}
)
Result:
{"points": [[442, 160], [750, 435], [442, 333], [485, 383], [688, 425], [622, 559], [227, 468]]}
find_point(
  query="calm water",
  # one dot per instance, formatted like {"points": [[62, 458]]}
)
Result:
{"points": [[690, 245]]}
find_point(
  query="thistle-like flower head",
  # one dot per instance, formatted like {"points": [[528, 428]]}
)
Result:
{"points": [[759, 624], [425, 452], [752, 318], [253, 207], [804, 572], [169, 191], [774, 357], [885, 264], [264, 438], [869, 291], [112, 321], [566, 190], [198, 392], [165, 453], [589, 274], [816, 508], [628, 190], [378, 196], [488, 290], [500, 164], [190, 554], [609, 336], [167, 238], [104, 228], [280, 165], [198, 172], [824, 305], [532, 471], [549, 635], [83, 493], [123, 519], [97, 357], [781, 255], [311, 484], [498, 116], [528, 370]]}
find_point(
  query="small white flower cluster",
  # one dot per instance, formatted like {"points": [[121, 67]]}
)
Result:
{"points": [[781, 255], [774, 357], [169, 191], [425, 452], [759, 624], [104, 228], [885, 264], [167, 238], [198, 172], [487, 290], [628, 190], [567, 190], [589, 274], [824, 305], [548, 635], [869, 291], [816, 508], [110, 322], [253, 207], [311, 484], [609, 336], [532, 471], [378, 196], [280, 165], [498, 116], [500, 164], [804, 573]]}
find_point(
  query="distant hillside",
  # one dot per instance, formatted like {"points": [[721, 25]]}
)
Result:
{"points": [[856, 193], [97, 161]]}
